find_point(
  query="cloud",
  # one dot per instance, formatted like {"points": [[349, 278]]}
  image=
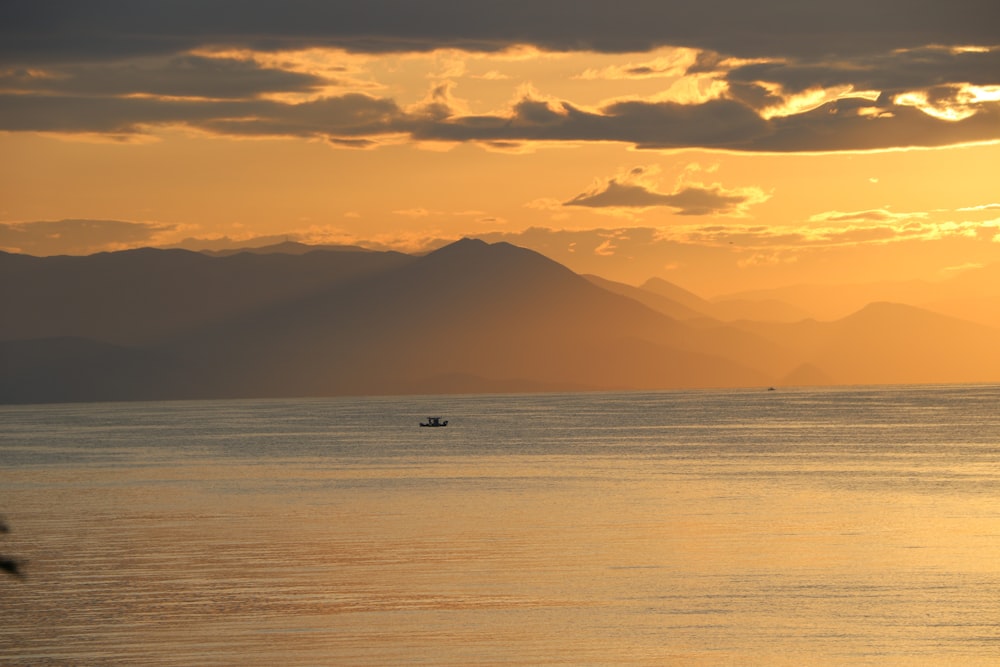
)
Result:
{"points": [[346, 117], [673, 63], [616, 194], [871, 215], [707, 250], [606, 249], [63, 30], [758, 77], [78, 237], [633, 190], [688, 200], [416, 212], [719, 123], [361, 120], [948, 83], [982, 207], [862, 125], [179, 76], [906, 69]]}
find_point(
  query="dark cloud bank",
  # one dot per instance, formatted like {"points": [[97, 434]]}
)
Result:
{"points": [[121, 67], [39, 30], [689, 200]]}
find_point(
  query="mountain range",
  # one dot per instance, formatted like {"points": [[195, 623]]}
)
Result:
{"points": [[294, 320]]}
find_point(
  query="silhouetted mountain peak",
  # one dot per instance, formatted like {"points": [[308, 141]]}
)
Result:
{"points": [[466, 247], [476, 259], [466, 243]]}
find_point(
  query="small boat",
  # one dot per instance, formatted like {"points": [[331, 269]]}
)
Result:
{"points": [[434, 421]]}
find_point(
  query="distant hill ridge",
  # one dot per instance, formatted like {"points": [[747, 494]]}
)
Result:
{"points": [[148, 295], [468, 317], [284, 248]]}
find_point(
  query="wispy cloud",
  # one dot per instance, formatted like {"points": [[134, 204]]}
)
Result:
{"points": [[873, 215], [414, 212], [80, 237]]}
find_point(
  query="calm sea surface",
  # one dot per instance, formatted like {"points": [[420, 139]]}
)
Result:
{"points": [[791, 527]]}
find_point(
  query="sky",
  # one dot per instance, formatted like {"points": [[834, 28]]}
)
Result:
{"points": [[722, 145]]}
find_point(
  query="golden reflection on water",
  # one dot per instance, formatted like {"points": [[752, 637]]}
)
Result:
{"points": [[576, 560]]}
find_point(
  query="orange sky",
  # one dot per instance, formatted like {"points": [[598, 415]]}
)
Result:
{"points": [[721, 152]]}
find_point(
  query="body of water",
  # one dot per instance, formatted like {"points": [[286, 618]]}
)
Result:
{"points": [[848, 526]]}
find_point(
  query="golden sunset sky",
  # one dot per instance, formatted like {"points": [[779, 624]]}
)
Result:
{"points": [[721, 145]]}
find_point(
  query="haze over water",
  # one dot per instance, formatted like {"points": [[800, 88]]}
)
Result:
{"points": [[856, 526]]}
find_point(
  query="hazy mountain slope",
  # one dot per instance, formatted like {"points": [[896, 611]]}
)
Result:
{"points": [[973, 295], [801, 339], [468, 310], [54, 370], [704, 333], [886, 343], [658, 302], [893, 343], [141, 296], [983, 310], [676, 294], [833, 302], [468, 317], [762, 308]]}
